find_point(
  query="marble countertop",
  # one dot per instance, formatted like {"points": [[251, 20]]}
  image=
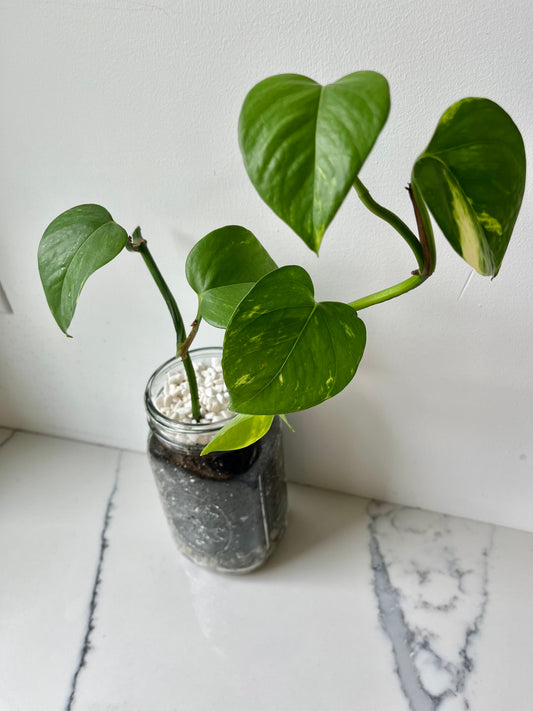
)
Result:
{"points": [[365, 606]]}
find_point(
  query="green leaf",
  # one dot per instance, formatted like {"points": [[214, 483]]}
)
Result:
{"points": [[303, 144], [222, 268], [74, 245], [242, 431], [285, 352], [286, 421], [472, 177]]}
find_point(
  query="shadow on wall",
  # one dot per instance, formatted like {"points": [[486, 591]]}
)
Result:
{"points": [[396, 440], [345, 444]]}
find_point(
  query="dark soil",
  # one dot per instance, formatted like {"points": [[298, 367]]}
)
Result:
{"points": [[226, 510]]}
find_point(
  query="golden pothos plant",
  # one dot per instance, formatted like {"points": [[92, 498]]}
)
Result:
{"points": [[303, 146]]}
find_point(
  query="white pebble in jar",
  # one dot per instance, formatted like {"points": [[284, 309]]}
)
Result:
{"points": [[175, 401]]}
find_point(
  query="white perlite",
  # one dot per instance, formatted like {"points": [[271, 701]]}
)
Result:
{"points": [[175, 400]]}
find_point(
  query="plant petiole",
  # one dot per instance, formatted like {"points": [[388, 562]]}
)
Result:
{"points": [[185, 346], [136, 243], [423, 249], [390, 293], [425, 230], [393, 220]]}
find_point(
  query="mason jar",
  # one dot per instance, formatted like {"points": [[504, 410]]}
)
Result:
{"points": [[226, 510]]}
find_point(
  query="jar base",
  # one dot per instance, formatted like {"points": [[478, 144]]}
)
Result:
{"points": [[210, 563]]}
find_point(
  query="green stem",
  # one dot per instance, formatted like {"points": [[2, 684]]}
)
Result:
{"points": [[393, 220], [425, 230], [390, 293], [137, 243], [184, 348], [193, 386], [423, 249]]}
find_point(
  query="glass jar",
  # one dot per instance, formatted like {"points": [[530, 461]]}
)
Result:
{"points": [[226, 510]]}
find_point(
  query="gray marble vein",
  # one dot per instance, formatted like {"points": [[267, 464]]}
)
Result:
{"points": [[5, 435], [104, 542], [431, 584]]}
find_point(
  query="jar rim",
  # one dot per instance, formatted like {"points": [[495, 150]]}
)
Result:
{"points": [[175, 426]]}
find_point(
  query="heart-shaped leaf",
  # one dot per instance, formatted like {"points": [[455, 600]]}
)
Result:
{"points": [[303, 144], [283, 351], [74, 245], [222, 268], [472, 177], [240, 432]]}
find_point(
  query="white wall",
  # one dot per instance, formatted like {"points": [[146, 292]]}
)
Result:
{"points": [[134, 105]]}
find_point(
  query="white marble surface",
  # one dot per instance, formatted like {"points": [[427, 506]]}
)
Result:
{"points": [[364, 606]]}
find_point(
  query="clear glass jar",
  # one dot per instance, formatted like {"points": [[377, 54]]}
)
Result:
{"points": [[226, 510]]}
